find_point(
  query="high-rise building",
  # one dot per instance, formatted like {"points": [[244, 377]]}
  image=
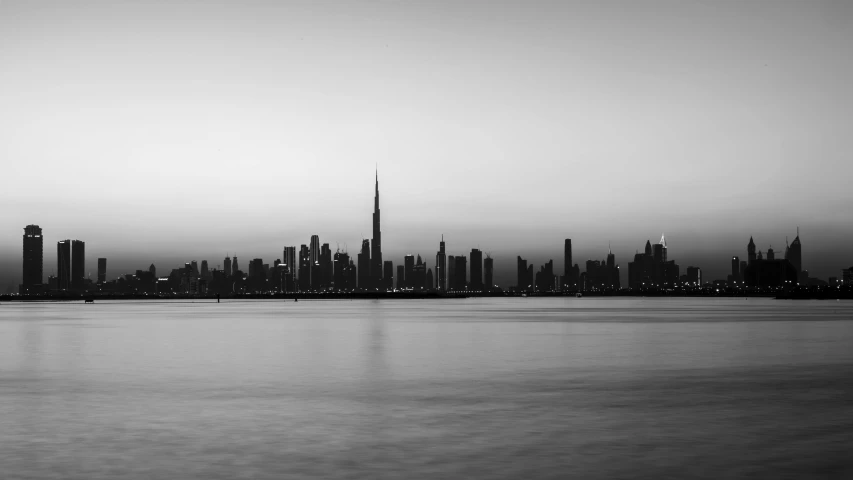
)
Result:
{"points": [[476, 270], [489, 270], [771, 255], [521, 275], [735, 269], [409, 264], [440, 265], [694, 276], [401, 277], [418, 275], [78, 264], [325, 267], [388, 275], [227, 266], [341, 261], [376, 252], [235, 269], [33, 265], [153, 271], [461, 280], [304, 280], [205, 271], [364, 266], [102, 270], [451, 273], [429, 280], [750, 251], [568, 280], [314, 270], [195, 272], [794, 253]]}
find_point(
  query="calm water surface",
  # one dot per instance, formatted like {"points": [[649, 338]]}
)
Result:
{"points": [[476, 388]]}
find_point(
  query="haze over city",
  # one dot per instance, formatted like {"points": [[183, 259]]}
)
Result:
{"points": [[163, 133]]}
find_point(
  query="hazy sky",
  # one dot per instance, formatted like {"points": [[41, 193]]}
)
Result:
{"points": [[167, 131]]}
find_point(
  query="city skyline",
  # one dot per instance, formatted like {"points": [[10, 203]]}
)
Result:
{"points": [[316, 270], [162, 131]]}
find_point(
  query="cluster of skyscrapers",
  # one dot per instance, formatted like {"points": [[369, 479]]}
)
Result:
{"points": [[314, 268]]}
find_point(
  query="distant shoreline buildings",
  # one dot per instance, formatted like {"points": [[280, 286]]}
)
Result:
{"points": [[315, 269]]}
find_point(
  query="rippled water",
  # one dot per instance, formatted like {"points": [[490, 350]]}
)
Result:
{"points": [[478, 388]]}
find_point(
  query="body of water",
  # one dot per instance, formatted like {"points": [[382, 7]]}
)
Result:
{"points": [[464, 388]]}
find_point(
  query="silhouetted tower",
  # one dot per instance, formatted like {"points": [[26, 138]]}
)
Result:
{"points": [[488, 270], [567, 263], [364, 265], [235, 268], [440, 266], [376, 252], [153, 271], [205, 271], [648, 250], [476, 270], [409, 264], [451, 273], [102, 270], [795, 253], [735, 269], [521, 273], [771, 255], [63, 264], [78, 264], [429, 279], [388, 275], [33, 264], [461, 280], [227, 266], [750, 251], [401, 277]]}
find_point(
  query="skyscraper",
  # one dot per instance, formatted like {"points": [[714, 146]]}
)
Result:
{"points": [[750, 251], [78, 264], [401, 277], [476, 270], [235, 269], [451, 273], [304, 275], [735, 269], [364, 266], [440, 265], [63, 264], [409, 264], [325, 266], [33, 265], [488, 270], [794, 253], [227, 266], [102, 270], [461, 280], [567, 264], [205, 270], [521, 274], [376, 252], [388, 275]]}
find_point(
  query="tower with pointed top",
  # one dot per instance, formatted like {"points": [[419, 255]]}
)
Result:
{"points": [[794, 253], [376, 243], [440, 264], [750, 251]]}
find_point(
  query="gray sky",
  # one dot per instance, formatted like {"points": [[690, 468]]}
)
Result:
{"points": [[166, 131]]}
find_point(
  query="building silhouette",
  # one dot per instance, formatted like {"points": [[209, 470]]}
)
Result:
{"points": [[451, 273], [735, 276], [376, 252], [429, 280], [476, 282], [325, 267], [652, 269], [304, 271], [388, 275], [461, 272], [78, 264], [523, 282], [764, 273], [364, 266], [401, 277], [602, 274], [750, 252], [227, 266], [694, 276], [545, 280], [418, 281], [771, 255], [409, 268], [440, 266], [33, 259], [205, 270], [489, 271], [102, 270], [341, 262], [794, 255], [235, 268], [571, 272]]}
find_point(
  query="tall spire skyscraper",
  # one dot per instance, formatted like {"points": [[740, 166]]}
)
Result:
{"points": [[376, 243]]}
